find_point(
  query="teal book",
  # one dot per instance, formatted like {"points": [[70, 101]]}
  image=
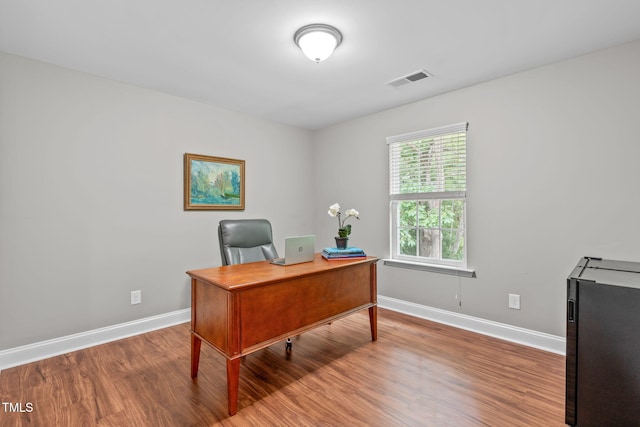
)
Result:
{"points": [[349, 250], [343, 257]]}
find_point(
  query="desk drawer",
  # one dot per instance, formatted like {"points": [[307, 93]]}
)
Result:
{"points": [[271, 311]]}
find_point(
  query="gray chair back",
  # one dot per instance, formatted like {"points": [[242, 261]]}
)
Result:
{"points": [[245, 240]]}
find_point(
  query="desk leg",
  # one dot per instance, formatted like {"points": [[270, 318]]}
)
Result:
{"points": [[196, 343], [373, 321], [233, 379]]}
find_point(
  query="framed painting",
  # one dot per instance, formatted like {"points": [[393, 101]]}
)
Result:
{"points": [[213, 183]]}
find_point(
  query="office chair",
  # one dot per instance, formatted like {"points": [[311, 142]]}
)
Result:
{"points": [[247, 240]]}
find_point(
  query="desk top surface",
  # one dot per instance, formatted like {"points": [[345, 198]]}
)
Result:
{"points": [[237, 276]]}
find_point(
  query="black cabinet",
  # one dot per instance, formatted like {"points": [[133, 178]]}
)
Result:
{"points": [[603, 344]]}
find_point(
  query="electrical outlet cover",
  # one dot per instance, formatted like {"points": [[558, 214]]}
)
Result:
{"points": [[136, 297], [514, 301]]}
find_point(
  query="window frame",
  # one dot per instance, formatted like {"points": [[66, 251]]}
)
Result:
{"points": [[395, 240], [396, 197]]}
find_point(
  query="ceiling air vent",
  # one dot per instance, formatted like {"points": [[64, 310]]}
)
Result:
{"points": [[411, 78]]}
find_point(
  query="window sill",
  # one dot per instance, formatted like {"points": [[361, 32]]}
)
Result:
{"points": [[433, 268]]}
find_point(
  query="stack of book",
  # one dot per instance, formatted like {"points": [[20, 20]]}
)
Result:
{"points": [[348, 253]]}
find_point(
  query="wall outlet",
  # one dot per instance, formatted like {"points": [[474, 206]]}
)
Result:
{"points": [[136, 297], [514, 301]]}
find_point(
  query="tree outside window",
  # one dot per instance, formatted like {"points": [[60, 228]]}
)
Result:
{"points": [[428, 195]]}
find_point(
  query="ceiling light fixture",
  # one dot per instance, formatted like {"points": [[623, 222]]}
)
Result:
{"points": [[317, 41]]}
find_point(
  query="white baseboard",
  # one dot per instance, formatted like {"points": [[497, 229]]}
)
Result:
{"points": [[54, 347], [528, 337]]}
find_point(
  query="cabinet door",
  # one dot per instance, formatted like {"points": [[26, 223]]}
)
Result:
{"points": [[608, 355]]}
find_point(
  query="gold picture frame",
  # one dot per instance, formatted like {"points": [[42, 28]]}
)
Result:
{"points": [[213, 183]]}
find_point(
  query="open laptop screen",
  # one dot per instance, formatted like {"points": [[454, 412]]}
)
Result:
{"points": [[297, 249]]}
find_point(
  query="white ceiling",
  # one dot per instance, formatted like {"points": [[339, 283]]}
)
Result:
{"points": [[240, 55]]}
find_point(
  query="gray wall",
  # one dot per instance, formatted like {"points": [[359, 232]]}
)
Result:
{"points": [[91, 187], [91, 190], [553, 175]]}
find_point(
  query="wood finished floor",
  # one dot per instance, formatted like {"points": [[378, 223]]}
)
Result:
{"points": [[418, 373]]}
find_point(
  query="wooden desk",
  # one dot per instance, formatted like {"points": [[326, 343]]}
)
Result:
{"points": [[241, 308]]}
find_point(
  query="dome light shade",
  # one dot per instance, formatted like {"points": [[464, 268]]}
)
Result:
{"points": [[317, 41]]}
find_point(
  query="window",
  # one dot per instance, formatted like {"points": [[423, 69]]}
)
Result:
{"points": [[428, 184]]}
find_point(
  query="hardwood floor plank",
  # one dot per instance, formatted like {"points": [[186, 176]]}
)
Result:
{"points": [[418, 373]]}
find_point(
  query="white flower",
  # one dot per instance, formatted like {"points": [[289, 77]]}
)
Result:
{"points": [[343, 230], [334, 210], [352, 212]]}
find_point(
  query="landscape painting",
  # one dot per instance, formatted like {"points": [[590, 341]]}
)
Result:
{"points": [[212, 183]]}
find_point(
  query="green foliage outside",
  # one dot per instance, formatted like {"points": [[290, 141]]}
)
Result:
{"points": [[432, 228]]}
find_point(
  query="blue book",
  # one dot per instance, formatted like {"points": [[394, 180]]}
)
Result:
{"points": [[343, 257], [349, 250]]}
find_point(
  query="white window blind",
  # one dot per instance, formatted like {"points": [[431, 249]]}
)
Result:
{"points": [[431, 161]]}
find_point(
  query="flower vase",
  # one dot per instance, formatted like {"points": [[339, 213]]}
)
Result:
{"points": [[342, 242]]}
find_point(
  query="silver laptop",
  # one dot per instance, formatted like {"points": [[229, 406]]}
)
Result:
{"points": [[297, 249]]}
